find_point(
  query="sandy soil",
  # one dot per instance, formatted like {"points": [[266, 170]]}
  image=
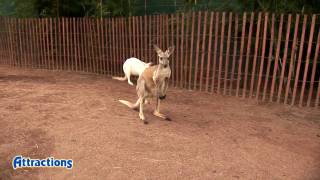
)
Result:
{"points": [[77, 115]]}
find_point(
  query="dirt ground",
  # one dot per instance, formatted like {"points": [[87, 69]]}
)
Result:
{"points": [[78, 116]]}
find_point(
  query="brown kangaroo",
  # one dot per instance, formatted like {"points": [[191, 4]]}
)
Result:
{"points": [[153, 82]]}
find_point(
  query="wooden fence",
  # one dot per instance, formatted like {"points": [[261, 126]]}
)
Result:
{"points": [[267, 57]]}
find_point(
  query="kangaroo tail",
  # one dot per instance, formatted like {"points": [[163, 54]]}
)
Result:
{"points": [[129, 104], [120, 78]]}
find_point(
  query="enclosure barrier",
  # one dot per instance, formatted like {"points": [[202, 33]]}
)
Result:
{"points": [[263, 56]]}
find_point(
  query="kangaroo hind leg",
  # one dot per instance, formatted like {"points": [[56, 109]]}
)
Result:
{"points": [[157, 111]]}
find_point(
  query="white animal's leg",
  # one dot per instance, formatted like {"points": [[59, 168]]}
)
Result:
{"points": [[127, 73], [129, 81], [141, 115], [157, 111]]}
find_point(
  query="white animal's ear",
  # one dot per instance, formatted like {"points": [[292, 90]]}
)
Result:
{"points": [[149, 64], [157, 49], [170, 50]]}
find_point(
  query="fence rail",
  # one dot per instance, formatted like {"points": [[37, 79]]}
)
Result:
{"points": [[262, 56]]}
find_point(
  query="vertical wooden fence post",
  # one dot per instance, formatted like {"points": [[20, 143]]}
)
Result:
{"points": [[265, 29], [226, 68], [292, 55], [181, 50], [41, 43], [256, 46], [134, 36], [88, 45], [284, 59], [203, 47], [2, 42], [118, 44], [215, 49], [124, 44], [107, 44], [24, 55], [130, 35], [47, 54], [97, 45], [103, 42], [141, 35], [316, 105], [234, 56], [244, 88], [58, 43], [20, 46], [34, 48], [27, 43], [186, 55], [295, 87], [221, 51], [244, 20], [13, 41], [52, 40], [316, 54], [269, 59], [36, 38], [74, 44], [63, 44], [137, 38], [209, 53], [69, 60], [79, 35], [197, 52], [176, 59], [150, 40], [275, 68], [306, 67], [191, 50], [145, 36]]}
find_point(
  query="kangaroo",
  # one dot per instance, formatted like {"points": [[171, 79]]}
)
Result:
{"points": [[132, 66], [153, 82]]}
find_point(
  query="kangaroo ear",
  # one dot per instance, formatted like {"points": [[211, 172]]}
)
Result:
{"points": [[170, 50], [157, 49]]}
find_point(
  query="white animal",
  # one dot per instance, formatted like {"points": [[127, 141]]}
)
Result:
{"points": [[132, 66], [153, 82]]}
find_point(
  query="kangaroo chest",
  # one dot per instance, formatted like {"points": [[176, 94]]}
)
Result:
{"points": [[154, 77], [160, 75]]}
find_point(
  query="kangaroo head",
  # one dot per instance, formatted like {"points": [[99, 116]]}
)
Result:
{"points": [[163, 57]]}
